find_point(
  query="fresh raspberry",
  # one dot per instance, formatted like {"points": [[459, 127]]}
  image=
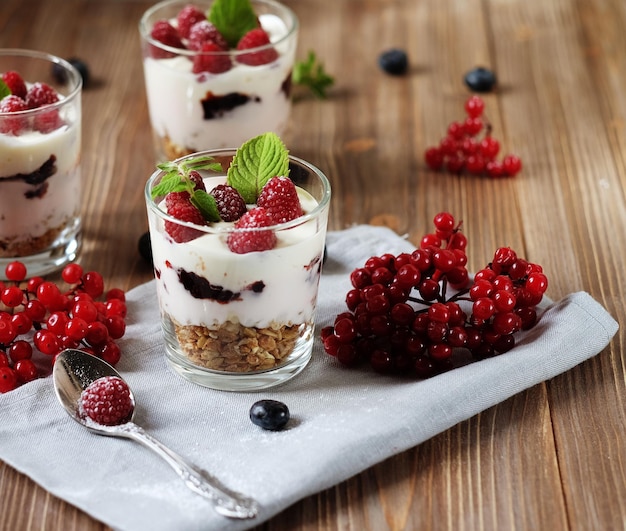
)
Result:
{"points": [[196, 179], [12, 125], [209, 61], [254, 39], [179, 205], [166, 34], [247, 241], [15, 83], [204, 31], [230, 204], [187, 17], [107, 401], [280, 198], [40, 94], [48, 121]]}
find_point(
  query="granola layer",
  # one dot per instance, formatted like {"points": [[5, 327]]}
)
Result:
{"points": [[232, 347]]}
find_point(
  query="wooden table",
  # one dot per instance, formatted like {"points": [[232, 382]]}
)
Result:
{"points": [[553, 457]]}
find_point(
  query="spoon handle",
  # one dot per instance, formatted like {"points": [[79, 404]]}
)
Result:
{"points": [[226, 502]]}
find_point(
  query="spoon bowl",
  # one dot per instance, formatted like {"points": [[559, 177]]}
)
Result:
{"points": [[74, 370]]}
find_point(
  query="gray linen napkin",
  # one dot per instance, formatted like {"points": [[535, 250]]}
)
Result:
{"points": [[343, 421]]}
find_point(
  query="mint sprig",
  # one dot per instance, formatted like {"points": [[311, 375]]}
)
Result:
{"points": [[256, 162], [4, 89], [176, 179], [311, 74], [233, 19]]}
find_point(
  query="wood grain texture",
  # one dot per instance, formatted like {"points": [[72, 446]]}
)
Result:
{"points": [[552, 457]]}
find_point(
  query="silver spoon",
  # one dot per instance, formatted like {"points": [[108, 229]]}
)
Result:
{"points": [[74, 370]]}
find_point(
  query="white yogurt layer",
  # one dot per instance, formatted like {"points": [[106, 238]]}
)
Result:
{"points": [[23, 217], [175, 93], [289, 272]]}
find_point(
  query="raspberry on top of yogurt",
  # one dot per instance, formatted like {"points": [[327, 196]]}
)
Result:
{"points": [[258, 193], [228, 25], [17, 96]]}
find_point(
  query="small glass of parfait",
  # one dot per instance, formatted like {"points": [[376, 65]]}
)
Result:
{"points": [[216, 72], [238, 241], [40, 144]]}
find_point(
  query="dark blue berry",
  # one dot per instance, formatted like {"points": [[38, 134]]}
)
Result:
{"points": [[145, 247], [480, 79], [269, 414], [394, 61], [60, 74]]}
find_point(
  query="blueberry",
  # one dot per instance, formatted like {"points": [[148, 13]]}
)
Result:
{"points": [[145, 247], [480, 79], [269, 414], [394, 61], [60, 74]]}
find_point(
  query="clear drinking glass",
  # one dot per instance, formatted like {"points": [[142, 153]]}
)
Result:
{"points": [[240, 321], [40, 183], [192, 112]]}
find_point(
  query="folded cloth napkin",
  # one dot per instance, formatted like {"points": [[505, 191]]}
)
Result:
{"points": [[343, 420]]}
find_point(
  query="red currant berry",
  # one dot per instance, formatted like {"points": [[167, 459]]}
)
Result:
{"points": [[72, 273], [116, 326], [93, 284], [408, 276], [474, 106], [440, 351], [115, 293], [110, 352], [483, 308], [345, 330], [15, 271], [47, 342], [361, 278], [537, 284], [8, 379], [26, 370], [489, 147], [434, 158], [7, 331], [12, 296], [76, 328], [347, 355], [444, 221], [511, 165], [439, 312], [20, 350]]}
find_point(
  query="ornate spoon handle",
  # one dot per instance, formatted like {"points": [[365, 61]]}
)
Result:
{"points": [[226, 502]]}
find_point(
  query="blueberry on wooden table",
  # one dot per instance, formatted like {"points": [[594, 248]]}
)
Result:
{"points": [[394, 61], [269, 414], [480, 79], [59, 73]]}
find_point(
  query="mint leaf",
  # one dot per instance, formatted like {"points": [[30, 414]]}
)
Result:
{"points": [[170, 182], [202, 162], [206, 204], [176, 179], [4, 89], [255, 163], [233, 19], [311, 74]]}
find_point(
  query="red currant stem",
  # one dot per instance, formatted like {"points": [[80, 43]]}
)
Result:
{"points": [[420, 301]]}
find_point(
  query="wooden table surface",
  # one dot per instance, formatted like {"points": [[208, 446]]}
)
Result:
{"points": [[553, 457]]}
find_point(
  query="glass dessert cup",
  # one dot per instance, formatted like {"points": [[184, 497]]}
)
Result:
{"points": [[191, 112], [240, 322], [40, 183]]}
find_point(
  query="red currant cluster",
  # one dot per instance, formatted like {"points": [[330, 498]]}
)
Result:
{"points": [[74, 318], [401, 320], [461, 149]]}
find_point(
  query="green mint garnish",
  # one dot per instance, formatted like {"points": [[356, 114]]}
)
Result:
{"points": [[4, 89], [233, 19], [176, 179], [256, 162], [311, 74]]}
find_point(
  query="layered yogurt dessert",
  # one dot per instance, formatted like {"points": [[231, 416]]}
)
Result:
{"points": [[238, 296], [217, 73], [39, 170]]}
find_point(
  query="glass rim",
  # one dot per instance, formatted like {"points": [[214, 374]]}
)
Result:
{"points": [[145, 32], [322, 204], [75, 79]]}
